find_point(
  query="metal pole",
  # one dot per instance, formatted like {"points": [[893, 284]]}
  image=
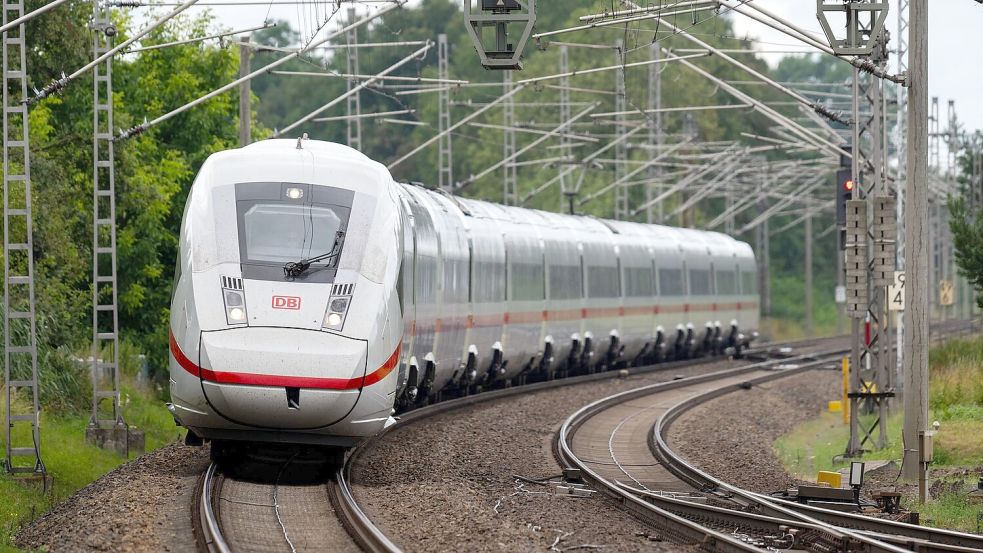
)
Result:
{"points": [[656, 136], [808, 271], [105, 318], [445, 156], [511, 183], [566, 195], [917, 288], [621, 150], [354, 102], [902, 173], [20, 359], [245, 93]]}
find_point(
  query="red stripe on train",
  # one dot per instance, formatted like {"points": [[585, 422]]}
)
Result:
{"points": [[253, 379]]}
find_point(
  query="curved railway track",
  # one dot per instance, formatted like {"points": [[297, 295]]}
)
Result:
{"points": [[619, 444], [236, 516]]}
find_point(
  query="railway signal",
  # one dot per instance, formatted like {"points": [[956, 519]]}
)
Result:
{"points": [[844, 193], [496, 51]]}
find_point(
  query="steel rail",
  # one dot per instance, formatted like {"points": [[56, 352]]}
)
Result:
{"points": [[929, 540], [773, 524], [207, 523], [358, 524], [369, 536], [636, 505]]}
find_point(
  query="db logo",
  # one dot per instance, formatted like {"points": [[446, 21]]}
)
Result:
{"points": [[286, 302]]}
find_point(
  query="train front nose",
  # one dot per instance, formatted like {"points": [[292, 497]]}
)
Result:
{"points": [[280, 377]]}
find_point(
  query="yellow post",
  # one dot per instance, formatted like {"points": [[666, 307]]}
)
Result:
{"points": [[846, 390]]}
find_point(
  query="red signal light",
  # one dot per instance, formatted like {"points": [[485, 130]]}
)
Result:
{"points": [[848, 185]]}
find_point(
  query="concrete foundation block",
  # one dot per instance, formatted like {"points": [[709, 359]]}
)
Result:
{"points": [[121, 438]]}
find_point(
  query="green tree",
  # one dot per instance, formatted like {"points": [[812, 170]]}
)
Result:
{"points": [[966, 225]]}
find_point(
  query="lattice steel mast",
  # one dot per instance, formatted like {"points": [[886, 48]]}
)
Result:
{"points": [[105, 317], [445, 155], [354, 101], [621, 191], [19, 324], [511, 193]]}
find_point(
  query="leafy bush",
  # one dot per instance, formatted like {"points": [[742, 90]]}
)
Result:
{"points": [[65, 382]]}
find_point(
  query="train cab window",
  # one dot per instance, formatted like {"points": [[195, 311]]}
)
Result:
{"points": [[638, 282], [699, 282], [749, 282], [726, 283], [281, 223], [283, 232], [671, 282], [603, 282]]}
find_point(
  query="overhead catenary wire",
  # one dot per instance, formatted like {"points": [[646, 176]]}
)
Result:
{"points": [[59, 84], [198, 39], [374, 77], [454, 127], [355, 90], [31, 15]]}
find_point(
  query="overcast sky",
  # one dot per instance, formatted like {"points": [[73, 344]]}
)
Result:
{"points": [[955, 36]]}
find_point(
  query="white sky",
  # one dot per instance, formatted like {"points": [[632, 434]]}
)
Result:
{"points": [[955, 28]]}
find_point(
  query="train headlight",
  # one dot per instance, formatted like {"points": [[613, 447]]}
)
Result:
{"points": [[295, 193], [334, 316], [235, 306]]}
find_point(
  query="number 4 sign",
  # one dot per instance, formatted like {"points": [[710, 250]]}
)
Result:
{"points": [[895, 292]]}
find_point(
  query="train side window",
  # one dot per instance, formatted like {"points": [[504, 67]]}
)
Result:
{"points": [[638, 282], [565, 282], [749, 282], [671, 282], [726, 283], [528, 283], [603, 282], [699, 282]]}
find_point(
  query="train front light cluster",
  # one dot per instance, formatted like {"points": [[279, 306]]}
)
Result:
{"points": [[235, 306], [334, 316]]}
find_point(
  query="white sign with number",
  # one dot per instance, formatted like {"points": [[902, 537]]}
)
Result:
{"points": [[947, 293], [841, 294], [895, 292]]}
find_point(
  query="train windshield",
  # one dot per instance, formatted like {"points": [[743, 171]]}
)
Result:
{"points": [[278, 232]]}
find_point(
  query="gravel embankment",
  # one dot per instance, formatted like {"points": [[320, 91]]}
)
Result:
{"points": [[731, 436], [143, 505], [446, 483]]}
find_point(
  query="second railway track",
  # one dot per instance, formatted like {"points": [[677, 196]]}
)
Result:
{"points": [[618, 442]]}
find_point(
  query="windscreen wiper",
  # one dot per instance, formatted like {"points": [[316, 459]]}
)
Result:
{"points": [[294, 269]]}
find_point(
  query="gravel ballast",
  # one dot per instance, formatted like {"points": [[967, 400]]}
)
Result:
{"points": [[731, 436], [447, 483], [143, 505]]}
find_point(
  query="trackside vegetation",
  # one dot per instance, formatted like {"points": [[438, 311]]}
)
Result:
{"points": [[955, 401]]}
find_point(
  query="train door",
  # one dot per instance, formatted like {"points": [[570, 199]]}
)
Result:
{"points": [[406, 288]]}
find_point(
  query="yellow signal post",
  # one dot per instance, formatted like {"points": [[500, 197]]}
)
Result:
{"points": [[846, 390]]}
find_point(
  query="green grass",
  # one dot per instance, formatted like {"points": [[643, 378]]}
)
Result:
{"points": [[956, 400], [73, 463], [781, 329]]}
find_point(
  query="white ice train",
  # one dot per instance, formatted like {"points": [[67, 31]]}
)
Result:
{"points": [[314, 296]]}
